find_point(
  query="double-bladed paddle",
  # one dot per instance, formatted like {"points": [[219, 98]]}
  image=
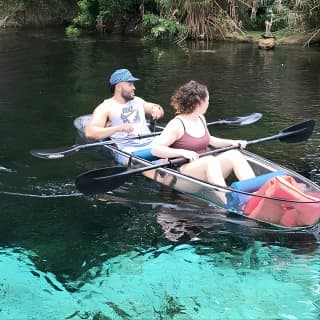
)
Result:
{"points": [[106, 179], [236, 121], [62, 152]]}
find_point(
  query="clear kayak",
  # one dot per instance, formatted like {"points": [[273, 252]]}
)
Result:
{"points": [[277, 196]]}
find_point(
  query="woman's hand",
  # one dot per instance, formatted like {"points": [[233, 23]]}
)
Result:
{"points": [[221, 143], [190, 155], [239, 143]]}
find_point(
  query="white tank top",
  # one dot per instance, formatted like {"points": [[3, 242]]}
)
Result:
{"points": [[130, 112]]}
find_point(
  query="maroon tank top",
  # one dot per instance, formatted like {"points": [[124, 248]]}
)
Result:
{"points": [[189, 142]]}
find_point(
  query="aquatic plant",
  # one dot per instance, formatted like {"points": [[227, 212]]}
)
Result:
{"points": [[72, 32]]}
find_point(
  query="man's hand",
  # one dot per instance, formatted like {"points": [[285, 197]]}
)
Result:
{"points": [[126, 127], [156, 112]]}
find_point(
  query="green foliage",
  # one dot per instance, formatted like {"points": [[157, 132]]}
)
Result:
{"points": [[253, 25], [19, 5], [175, 19], [88, 13], [104, 15], [36, 12], [163, 28], [72, 32], [28, 4], [271, 11], [106, 12], [151, 20], [287, 15]]}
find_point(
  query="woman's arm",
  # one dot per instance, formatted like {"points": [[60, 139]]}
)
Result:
{"points": [[171, 133], [220, 142]]}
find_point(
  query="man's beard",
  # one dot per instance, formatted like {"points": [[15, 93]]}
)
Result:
{"points": [[125, 95]]}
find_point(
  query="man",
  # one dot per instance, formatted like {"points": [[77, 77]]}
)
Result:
{"points": [[123, 114]]}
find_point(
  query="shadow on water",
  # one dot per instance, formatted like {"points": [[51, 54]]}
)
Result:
{"points": [[212, 226], [185, 220]]}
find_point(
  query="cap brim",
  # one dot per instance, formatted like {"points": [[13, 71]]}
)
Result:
{"points": [[132, 79]]}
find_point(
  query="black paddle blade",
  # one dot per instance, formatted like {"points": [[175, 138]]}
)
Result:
{"points": [[299, 132], [96, 181]]}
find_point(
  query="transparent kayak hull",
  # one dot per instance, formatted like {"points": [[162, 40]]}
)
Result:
{"points": [[278, 196]]}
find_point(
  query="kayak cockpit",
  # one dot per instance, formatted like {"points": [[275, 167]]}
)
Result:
{"points": [[277, 195]]}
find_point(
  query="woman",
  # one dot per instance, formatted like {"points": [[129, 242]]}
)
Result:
{"points": [[187, 136]]}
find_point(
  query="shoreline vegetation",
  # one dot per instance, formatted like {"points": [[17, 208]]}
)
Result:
{"points": [[288, 21]]}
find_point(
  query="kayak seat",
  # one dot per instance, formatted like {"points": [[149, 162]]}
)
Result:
{"points": [[145, 154], [236, 200], [253, 184], [142, 153]]}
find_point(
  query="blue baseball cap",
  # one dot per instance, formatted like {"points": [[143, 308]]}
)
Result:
{"points": [[121, 75]]}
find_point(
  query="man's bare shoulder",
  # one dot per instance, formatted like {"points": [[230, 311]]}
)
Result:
{"points": [[104, 106]]}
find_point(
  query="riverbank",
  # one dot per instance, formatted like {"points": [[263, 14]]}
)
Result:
{"points": [[23, 19], [301, 38], [37, 14]]}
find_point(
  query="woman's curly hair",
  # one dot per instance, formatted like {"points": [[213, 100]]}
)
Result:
{"points": [[186, 98]]}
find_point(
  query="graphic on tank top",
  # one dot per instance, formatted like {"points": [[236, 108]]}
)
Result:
{"points": [[130, 114]]}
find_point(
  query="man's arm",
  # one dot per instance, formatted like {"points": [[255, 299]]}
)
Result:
{"points": [[154, 110], [98, 128]]}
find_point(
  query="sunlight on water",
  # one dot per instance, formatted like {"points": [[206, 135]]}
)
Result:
{"points": [[175, 282]]}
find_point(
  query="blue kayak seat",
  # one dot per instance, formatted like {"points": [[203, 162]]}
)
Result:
{"points": [[236, 200], [253, 184], [145, 154]]}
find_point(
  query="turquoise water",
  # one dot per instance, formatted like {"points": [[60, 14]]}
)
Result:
{"points": [[143, 251], [172, 282], [116, 258]]}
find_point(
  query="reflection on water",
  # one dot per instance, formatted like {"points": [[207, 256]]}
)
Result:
{"points": [[214, 227], [143, 251]]}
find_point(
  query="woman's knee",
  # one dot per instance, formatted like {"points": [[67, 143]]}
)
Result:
{"points": [[233, 154], [210, 160]]}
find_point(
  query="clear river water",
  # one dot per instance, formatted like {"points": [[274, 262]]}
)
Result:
{"points": [[143, 251]]}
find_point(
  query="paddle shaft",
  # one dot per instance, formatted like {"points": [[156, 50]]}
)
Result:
{"points": [[236, 121], [62, 152], [78, 147], [180, 161], [90, 182], [176, 161]]}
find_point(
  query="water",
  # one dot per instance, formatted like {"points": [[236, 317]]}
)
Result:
{"points": [[143, 251]]}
